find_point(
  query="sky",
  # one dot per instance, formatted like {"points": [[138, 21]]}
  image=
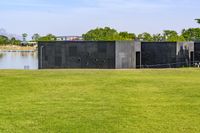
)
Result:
{"points": [[75, 17]]}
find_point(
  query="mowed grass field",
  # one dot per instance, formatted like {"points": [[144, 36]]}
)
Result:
{"points": [[100, 101]]}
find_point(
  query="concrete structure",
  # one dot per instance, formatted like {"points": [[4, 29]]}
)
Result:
{"points": [[197, 52], [89, 54], [185, 54], [167, 54], [117, 54], [158, 54], [127, 54]]}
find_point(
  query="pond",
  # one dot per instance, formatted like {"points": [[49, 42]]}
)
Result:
{"points": [[18, 60]]}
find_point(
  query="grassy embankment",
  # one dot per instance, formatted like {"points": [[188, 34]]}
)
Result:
{"points": [[102, 101], [16, 48]]}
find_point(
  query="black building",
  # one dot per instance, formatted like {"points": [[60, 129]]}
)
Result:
{"points": [[167, 54], [117, 54], [158, 54], [89, 54], [197, 51]]}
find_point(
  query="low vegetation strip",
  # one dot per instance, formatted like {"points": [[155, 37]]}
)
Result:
{"points": [[17, 48], [100, 101]]}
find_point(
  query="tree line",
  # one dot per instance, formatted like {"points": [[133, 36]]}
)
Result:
{"points": [[107, 33], [4, 40], [36, 37]]}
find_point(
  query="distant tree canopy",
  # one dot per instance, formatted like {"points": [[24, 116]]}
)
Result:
{"points": [[110, 34], [107, 34], [35, 37], [6, 41], [158, 37], [127, 36], [48, 37], [172, 36], [191, 34], [198, 21], [24, 35], [145, 37], [167, 35]]}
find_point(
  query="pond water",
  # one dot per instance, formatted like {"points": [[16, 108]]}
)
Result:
{"points": [[18, 60]]}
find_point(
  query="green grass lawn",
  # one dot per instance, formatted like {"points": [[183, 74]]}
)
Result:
{"points": [[100, 101]]}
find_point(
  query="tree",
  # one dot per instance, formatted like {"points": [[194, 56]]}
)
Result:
{"points": [[4, 40], [145, 37], [107, 34], [35, 37], [198, 21], [172, 36], [191, 34], [99, 34], [24, 35], [158, 37], [17, 42], [127, 36], [12, 41], [48, 37]]}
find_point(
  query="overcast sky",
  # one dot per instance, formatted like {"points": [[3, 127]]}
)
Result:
{"points": [[74, 17]]}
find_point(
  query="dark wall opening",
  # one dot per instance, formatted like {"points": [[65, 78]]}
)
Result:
{"points": [[138, 59]]}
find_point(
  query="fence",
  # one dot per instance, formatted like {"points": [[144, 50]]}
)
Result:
{"points": [[173, 65]]}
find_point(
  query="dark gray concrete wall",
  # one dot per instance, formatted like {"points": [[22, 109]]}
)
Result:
{"points": [[167, 54], [126, 54], [197, 51], [185, 54], [116, 54], [158, 54], [77, 54]]}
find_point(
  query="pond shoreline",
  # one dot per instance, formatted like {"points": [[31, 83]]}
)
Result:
{"points": [[17, 51], [13, 48]]}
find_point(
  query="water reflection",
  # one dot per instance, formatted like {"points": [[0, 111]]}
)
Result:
{"points": [[18, 60], [1, 55]]}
